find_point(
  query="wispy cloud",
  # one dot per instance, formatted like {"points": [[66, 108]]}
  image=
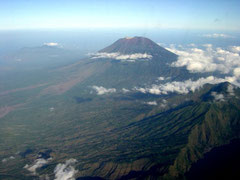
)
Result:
{"points": [[124, 90], [163, 103], [151, 103], [38, 163], [7, 159], [121, 57], [66, 171], [51, 44], [161, 78], [217, 35], [230, 90], [218, 96], [102, 90]]}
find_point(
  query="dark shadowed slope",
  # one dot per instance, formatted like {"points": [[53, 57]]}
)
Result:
{"points": [[220, 163]]}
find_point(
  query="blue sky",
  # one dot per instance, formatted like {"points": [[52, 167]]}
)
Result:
{"points": [[162, 14]]}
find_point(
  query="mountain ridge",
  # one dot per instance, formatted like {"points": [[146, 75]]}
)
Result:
{"points": [[137, 44]]}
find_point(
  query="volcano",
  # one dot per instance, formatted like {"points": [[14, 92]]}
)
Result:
{"points": [[132, 61], [127, 63], [137, 45]]}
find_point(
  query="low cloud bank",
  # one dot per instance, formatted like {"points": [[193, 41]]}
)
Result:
{"points": [[66, 171], [121, 57], [209, 59], [102, 90], [180, 87], [217, 35]]}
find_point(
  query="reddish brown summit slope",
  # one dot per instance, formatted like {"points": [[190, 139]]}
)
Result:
{"points": [[137, 45]]}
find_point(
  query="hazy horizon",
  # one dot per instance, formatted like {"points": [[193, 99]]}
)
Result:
{"points": [[91, 25], [96, 39]]}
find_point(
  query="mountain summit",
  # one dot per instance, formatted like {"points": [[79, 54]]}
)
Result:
{"points": [[137, 44], [128, 64]]}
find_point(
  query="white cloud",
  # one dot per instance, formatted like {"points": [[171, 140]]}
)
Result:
{"points": [[51, 109], [125, 90], [161, 78], [51, 44], [101, 90], [4, 160], [7, 159], [235, 49], [230, 90], [134, 56], [152, 103], [236, 72], [218, 97], [121, 57], [192, 45], [208, 59], [65, 171], [11, 157], [217, 35], [103, 55], [164, 103], [38, 163], [180, 87], [142, 90]]}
